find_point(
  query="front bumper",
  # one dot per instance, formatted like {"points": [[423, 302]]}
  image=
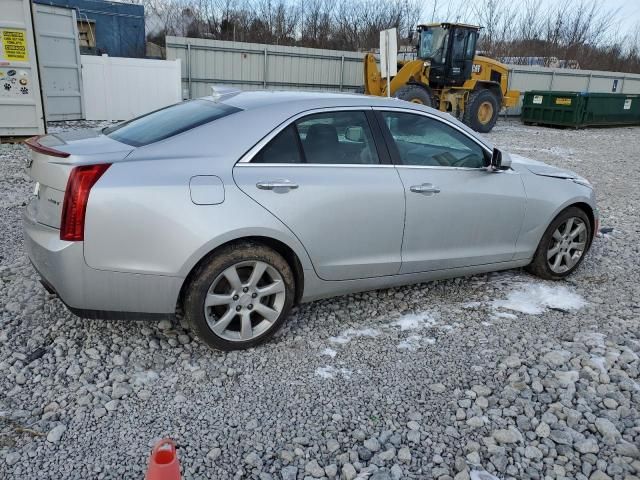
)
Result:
{"points": [[92, 293]]}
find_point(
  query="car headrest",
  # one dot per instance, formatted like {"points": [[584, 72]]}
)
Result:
{"points": [[322, 133]]}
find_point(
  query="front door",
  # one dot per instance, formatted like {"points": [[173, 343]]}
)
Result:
{"points": [[323, 178], [457, 213], [463, 43]]}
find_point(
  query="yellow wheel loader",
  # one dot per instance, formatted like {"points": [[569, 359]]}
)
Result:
{"points": [[448, 75]]}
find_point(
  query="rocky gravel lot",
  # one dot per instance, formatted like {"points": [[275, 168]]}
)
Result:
{"points": [[498, 375]]}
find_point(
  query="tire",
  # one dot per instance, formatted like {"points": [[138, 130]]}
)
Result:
{"points": [[541, 264], [359, 90], [481, 110], [415, 94], [239, 303]]}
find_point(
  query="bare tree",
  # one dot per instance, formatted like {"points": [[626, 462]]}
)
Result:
{"points": [[527, 31]]}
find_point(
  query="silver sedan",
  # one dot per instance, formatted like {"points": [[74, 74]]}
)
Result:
{"points": [[233, 208]]}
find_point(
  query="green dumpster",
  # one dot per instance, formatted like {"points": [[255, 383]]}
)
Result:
{"points": [[580, 109]]}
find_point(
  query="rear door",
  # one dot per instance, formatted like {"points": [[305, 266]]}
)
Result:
{"points": [[457, 213], [324, 177]]}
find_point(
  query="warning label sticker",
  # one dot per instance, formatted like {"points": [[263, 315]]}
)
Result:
{"points": [[537, 99], [627, 104], [563, 101], [13, 45]]}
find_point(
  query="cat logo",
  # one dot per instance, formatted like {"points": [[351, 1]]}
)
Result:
{"points": [[476, 68]]}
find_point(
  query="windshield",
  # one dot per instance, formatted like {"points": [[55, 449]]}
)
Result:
{"points": [[433, 43], [169, 121]]}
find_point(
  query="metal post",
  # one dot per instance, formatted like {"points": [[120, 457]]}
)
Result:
{"points": [[341, 71], [553, 76], [264, 73], [189, 68], [589, 82], [386, 42]]}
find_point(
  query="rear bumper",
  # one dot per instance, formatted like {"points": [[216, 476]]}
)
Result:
{"points": [[92, 293]]}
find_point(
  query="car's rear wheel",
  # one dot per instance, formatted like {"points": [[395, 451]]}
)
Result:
{"points": [[240, 297], [563, 245]]}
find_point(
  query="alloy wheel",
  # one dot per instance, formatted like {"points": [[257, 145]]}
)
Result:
{"points": [[244, 301], [567, 245]]}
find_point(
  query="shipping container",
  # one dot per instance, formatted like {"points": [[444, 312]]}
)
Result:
{"points": [[21, 112]]}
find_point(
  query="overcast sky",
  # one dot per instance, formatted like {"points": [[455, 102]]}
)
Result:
{"points": [[628, 11]]}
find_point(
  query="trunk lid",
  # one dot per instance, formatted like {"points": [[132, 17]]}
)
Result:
{"points": [[51, 172]]}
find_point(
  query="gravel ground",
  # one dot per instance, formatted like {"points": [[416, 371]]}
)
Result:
{"points": [[493, 375]]}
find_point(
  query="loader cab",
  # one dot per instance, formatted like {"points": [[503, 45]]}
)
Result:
{"points": [[450, 48]]}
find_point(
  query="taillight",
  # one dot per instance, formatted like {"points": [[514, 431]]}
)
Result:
{"points": [[34, 144], [79, 185]]}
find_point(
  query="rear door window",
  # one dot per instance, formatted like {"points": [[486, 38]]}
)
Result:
{"points": [[323, 138], [169, 121]]}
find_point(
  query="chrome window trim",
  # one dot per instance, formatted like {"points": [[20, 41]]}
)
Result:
{"points": [[253, 151], [321, 165], [442, 167], [437, 118]]}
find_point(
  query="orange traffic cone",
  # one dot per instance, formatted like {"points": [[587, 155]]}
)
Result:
{"points": [[163, 462]]}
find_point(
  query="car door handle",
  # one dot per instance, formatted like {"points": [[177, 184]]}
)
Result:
{"points": [[425, 188], [277, 185]]}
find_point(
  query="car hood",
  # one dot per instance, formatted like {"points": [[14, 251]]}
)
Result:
{"points": [[519, 162]]}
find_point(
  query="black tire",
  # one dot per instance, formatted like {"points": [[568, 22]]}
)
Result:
{"points": [[359, 90], [540, 266], [415, 94], [478, 101], [211, 269]]}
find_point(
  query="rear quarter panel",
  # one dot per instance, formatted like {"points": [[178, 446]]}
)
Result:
{"points": [[141, 219]]}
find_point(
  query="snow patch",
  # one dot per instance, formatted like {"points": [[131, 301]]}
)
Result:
{"points": [[414, 321], [534, 299], [481, 475], [328, 372], [329, 352], [411, 343], [503, 315], [144, 378], [351, 333], [471, 305]]}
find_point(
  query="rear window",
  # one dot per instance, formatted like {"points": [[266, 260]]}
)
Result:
{"points": [[168, 121]]}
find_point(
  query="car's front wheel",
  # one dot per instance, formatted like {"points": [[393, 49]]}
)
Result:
{"points": [[563, 245], [240, 297]]}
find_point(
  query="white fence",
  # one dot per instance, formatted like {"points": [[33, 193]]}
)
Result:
{"points": [[122, 88], [253, 66]]}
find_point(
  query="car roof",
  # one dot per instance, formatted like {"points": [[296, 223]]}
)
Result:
{"points": [[248, 100], [292, 102]]}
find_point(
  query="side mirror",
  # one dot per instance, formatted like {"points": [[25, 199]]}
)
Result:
{"points": [[496, 159]]}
